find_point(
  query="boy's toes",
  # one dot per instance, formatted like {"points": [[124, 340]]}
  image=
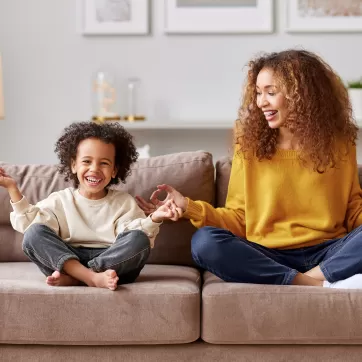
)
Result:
{"points": [[112, 285], [49, 280]]}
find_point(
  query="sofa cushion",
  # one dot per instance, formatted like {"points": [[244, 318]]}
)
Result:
{"points": [[191, 173], [192, 352], [161, 307], [235, 313]]}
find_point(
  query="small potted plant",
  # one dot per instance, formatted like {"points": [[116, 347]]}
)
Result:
{"points": [[355, 95]]}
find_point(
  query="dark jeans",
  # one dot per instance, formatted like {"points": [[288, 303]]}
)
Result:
{"points": [[127, 255], [234, 259]]}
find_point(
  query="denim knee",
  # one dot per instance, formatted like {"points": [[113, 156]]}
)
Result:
{"points": [[139, 239], [32, 235], [202, 243]]}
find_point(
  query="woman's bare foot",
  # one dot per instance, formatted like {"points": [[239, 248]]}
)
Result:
{"points": [[107, 279], [61, 280]]}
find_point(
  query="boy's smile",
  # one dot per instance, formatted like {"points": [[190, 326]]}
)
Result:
{"points": [[94, 166]]}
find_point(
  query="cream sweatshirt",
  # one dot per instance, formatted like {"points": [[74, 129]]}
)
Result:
{"points": [[83, 222]]}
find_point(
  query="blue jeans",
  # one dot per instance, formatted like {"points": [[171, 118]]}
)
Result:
{"points": [[127, 255], [234, 259]]}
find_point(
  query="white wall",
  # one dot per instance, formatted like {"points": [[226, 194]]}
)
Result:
{"points": [[48, 69]]}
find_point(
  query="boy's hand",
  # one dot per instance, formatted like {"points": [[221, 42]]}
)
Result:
{"points": [[167, 211], [172, 194], [6, 181], [10, 184]]}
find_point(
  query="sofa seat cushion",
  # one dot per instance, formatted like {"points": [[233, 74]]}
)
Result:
{"points": [[162, 306], [235, 313]]}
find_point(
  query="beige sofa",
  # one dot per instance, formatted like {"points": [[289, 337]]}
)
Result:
{"points": [[173, 312]]}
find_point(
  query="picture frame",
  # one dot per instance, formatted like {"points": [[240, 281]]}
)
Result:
{"points": [[113, 17], [218, 16], [324, 16]]}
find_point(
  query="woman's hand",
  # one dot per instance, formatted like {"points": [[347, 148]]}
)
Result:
{"points": [[167, 211], [172, 194]]}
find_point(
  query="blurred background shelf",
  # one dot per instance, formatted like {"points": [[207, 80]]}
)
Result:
{"points": [[175, 125], [187, 125], [177, 136]]}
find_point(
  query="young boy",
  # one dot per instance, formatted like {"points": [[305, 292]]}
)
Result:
{"points": [[88, 234]]}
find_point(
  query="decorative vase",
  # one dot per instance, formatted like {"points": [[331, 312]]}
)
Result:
{"points": [[104, 98], [133, 98]]}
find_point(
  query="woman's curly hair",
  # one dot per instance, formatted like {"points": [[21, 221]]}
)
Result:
{"points": [[67, 145], [319, 110]]}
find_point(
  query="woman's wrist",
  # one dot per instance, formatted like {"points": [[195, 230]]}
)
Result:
{"points": [[184, 204]]}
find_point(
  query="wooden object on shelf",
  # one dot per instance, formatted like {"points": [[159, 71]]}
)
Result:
{"points": [[133, 118], [187, 125]]}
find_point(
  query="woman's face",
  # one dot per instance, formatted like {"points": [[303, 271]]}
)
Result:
{"points": [[270, 99]]}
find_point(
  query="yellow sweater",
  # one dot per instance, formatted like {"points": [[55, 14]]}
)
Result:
{"points": [[280, 203]]}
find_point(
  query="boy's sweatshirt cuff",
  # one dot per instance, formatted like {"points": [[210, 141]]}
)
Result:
{"points": [[150, 225], [193, 210], [21, 206]]}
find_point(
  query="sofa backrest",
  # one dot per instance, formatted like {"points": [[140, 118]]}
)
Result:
{"points": [[223, 169], [191, 173]]}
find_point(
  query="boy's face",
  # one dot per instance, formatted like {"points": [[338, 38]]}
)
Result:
{"points": [[270, 99], [95, 167]]}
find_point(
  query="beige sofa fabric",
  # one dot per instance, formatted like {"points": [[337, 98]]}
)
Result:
{"points": [[223, 169], [192, 173], [194, 352], [10, 245], [235, 313], [36, 182], [161, 307], [241, 322]]}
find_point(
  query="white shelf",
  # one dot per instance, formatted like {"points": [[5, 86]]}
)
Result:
{"points": [[187, 125], [149, 125]]}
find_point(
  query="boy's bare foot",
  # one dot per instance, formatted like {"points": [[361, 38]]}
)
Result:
{"points": [[61, 280], [107, 279]]}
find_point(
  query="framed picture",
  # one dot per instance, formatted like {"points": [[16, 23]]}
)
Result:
{"points": [[97, 17], [324, 15], [218, 16]]}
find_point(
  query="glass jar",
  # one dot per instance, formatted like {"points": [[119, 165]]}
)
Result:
{"points": [[104, 98], [133, 97]]}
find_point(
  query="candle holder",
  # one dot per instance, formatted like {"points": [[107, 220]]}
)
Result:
{"points": [[133, 114], [104, 98]]}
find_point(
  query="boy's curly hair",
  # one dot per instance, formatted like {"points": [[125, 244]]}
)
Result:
{"points": [[67, 145], [319, 110]]}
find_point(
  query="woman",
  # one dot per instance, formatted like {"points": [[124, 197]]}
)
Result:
{"points": [[293, 209]]}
